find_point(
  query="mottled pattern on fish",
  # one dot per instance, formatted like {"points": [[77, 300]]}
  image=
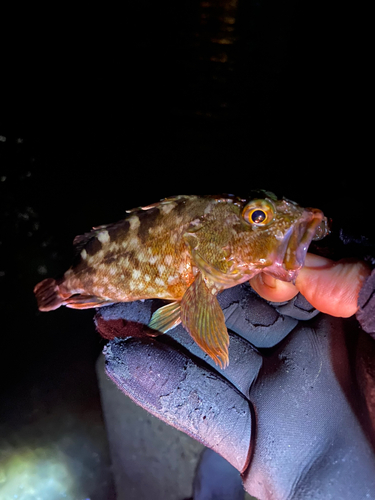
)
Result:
{"points": [[141, 257], [186, 249]]}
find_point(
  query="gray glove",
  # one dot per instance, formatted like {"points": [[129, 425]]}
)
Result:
{"points": [[292, 411]]}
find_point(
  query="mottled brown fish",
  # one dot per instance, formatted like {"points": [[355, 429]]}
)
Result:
{"points": [[187, 249]]}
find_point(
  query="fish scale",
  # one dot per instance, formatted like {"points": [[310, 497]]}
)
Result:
{"points": [[186, 249]]}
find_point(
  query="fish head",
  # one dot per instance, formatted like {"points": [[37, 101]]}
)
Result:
{"points": [[237, 238], [276, 234]]}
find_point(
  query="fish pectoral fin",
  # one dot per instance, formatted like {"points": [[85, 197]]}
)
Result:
{"points": [[203, 318], [219, 276], [86, 302], [166, 317]]}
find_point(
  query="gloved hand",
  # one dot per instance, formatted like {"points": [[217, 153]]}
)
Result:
{"points": [[292, 411]]}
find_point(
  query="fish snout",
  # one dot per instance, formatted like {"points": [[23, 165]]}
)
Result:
{"points": [[323, 229], [313, 225]]}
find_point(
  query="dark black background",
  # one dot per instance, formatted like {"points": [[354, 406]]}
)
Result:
{"points": [[103, 110]]}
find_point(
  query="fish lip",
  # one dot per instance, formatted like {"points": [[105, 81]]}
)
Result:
{"points": [[290, 256]]}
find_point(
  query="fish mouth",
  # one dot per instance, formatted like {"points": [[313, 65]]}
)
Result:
{"points": [[291, 254]]}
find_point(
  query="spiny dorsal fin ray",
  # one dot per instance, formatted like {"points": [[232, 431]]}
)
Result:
{"points": [[169, 199], [166, 317], [204, 319]]}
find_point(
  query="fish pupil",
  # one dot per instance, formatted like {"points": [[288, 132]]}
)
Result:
{"points": [[258, 216]]}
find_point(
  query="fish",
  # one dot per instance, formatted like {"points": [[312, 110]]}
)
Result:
{"points": [[186, 249]]}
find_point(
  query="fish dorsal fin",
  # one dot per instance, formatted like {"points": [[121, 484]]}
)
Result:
{"points": [[82, 240], [166, 317], [163, 201], [203, 318]]}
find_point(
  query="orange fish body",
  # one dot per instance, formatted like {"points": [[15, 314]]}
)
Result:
{"points": [[186, 250]]}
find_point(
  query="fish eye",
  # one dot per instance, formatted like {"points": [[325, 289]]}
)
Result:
{"points": [[258, 216], [258, 212]]}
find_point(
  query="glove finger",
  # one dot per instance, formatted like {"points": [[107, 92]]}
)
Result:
{"points": [[253, 318], [189, 396], [125, 319], [245, 313], [244, 362]]}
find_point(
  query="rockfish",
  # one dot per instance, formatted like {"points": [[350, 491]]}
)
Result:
{"points": [[187, 249]]}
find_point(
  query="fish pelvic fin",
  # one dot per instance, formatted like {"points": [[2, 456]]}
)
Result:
{"points": [[48, 295], [203, 318], [166, 317]]}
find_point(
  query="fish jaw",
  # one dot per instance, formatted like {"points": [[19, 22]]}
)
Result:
{"points": [[290, 256]]}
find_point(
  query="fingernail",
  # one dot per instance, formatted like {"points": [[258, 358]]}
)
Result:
{"points": [[314, 261], [268, 280]]}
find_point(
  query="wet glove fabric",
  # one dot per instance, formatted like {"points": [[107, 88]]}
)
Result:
{"points": [[289, 412]]}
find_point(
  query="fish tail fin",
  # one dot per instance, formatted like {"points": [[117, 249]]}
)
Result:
{"points": [[51, 296], [48, 295]]}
